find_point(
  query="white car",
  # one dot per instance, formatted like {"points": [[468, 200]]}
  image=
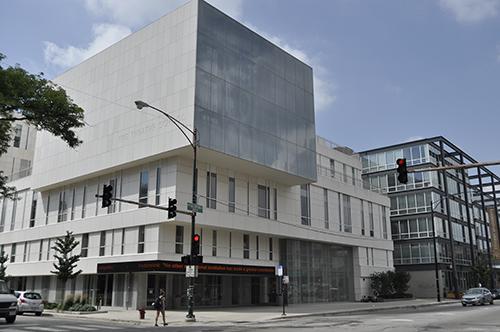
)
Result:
{"points": [[29, 302]]}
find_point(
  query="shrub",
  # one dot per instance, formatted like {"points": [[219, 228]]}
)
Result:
{"points": [[78, 298], [50, 305], [68, 302], [400, 281], [82, 307], [390, 284]]}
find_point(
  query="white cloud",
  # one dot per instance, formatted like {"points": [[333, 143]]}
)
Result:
{"points": [[324, 88], [136, 13], [471, 11], [104, 36]]}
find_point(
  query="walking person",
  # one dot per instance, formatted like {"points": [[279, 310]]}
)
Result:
{"points": [[159, 305]]}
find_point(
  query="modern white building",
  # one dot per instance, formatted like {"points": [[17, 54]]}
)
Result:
{"points": [[272, 192]]}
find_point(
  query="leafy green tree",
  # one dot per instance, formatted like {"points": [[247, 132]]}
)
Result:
{"points": [[481, 270], [66, 261], [400, 282], [38, 102], [3, 259]]}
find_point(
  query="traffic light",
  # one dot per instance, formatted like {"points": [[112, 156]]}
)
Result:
{"points": [[402, 171], [172, 208], [195, 251], [107, 194]]}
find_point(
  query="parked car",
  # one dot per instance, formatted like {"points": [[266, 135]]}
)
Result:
{"points": [[8, 303], [476, 296], [29, 302], [495, 292]]}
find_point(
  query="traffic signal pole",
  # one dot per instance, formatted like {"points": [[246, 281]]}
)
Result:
{"points": [[190, 292]]}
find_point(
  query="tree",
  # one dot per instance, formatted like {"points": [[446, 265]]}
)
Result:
{"points": [[3, 259], [40, 103], [66, 262], [482, 270], [400, 280]]}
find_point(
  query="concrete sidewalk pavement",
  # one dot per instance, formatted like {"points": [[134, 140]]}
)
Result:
{"points": [[238, 315]]}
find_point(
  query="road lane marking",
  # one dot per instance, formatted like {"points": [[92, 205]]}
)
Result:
{"points": [[401, 320]]}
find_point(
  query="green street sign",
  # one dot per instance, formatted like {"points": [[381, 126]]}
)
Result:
{"points": [[198, 208]]}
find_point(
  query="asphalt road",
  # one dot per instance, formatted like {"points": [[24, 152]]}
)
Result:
{"points": [[443, 318]]}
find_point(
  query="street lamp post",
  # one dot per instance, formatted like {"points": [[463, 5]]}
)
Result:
{"points": [[194, 143], [436, 267]]}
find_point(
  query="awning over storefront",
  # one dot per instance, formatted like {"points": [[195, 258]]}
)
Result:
{"points": [[170, 266]]}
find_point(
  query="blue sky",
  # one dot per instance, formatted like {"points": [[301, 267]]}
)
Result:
{"points": [[385, 71]]}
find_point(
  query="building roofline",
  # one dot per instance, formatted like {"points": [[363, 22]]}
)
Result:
{"points": [[389, 147]]}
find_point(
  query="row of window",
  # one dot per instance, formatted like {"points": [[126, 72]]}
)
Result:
{"points": [[179, 245], [380, 161]]}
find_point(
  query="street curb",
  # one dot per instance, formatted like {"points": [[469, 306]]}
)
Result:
{"points": [[365, 310], [287, 317]]}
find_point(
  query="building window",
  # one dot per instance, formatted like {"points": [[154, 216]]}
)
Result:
{"points": [[48, 207], [62, 212], [13, 253], [232, 195], [344, 170], [112, 207], [257, 247], [325, 200], [353, 176], [373, 260], [84, 200], [347, 213], [305, 204], [367, 256], [370, 216], [275, 194], [14, 211], [211, 190], [40, 250], [384, 222], [179, 239], [246, 246], [363, 218], [230, 244], [214, 243], [339, 199], [143, 188], [158, 186], [48, 248], [33, 210], [263, 201], [2, 217], [73, 204], [248, 198], [332, 168], [25, 251], [270, 248], [18, 129], [102, 244], [122, 249], [140, 241], [85, 245]]}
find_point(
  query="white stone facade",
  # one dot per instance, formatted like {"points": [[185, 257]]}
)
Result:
{"points": [[157, 64]]}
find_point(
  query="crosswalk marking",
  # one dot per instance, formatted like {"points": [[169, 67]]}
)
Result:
{"points": [[46, 329], [79, 328], [105, 327]]}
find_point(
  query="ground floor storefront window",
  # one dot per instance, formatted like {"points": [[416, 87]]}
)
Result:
{"points": [[318, 272]]}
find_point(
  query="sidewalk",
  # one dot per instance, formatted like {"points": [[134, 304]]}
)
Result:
{"points": [[235, 315]]}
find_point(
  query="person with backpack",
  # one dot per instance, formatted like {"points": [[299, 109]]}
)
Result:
{"points": [[159, 305]]}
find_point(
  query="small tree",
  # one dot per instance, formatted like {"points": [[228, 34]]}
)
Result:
{"points": [[66, 262], [3, 259], [381, 283], [481, 270], [400, 280]]}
